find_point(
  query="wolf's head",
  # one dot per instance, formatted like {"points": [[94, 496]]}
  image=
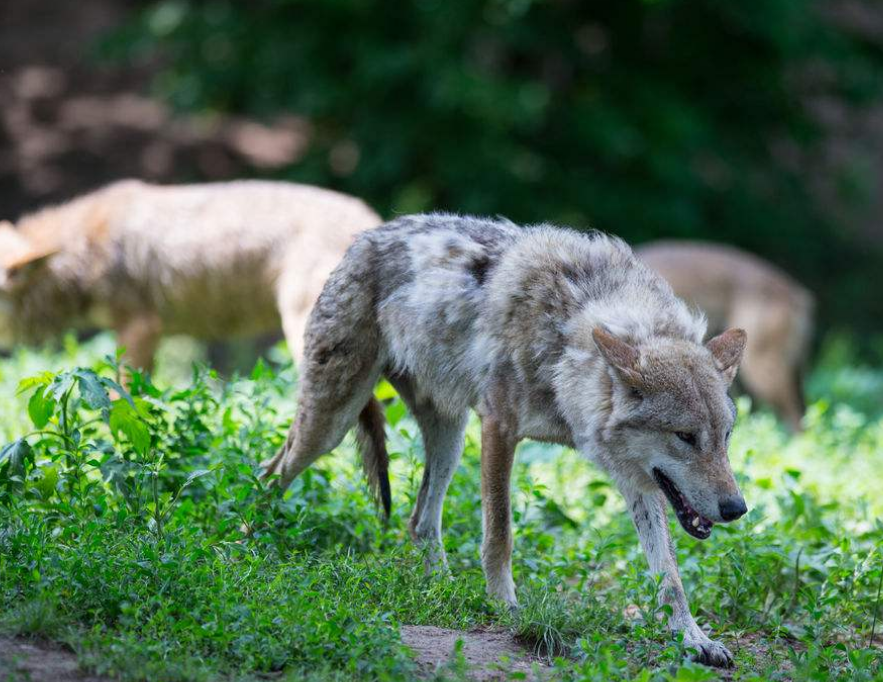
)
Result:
{"points": [[671, 418]]}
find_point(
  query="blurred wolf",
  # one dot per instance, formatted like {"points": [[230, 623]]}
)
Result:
{"points": [[211, 260], [738, 289], [548, 334]]}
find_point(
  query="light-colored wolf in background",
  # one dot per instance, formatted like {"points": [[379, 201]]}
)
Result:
{"points": [[213, 261], [548, 334], [737, 289]]}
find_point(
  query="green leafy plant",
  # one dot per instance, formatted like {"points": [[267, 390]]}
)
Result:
{"points": [[122, 509]]}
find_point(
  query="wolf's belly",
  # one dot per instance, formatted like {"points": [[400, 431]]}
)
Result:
{"points": [[218, 307]]}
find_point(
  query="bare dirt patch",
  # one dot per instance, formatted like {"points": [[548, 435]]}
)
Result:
{"points": [[490, 654], [34, 661]]}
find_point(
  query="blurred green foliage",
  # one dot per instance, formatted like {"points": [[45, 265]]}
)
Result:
{"points": [[646, 118]]}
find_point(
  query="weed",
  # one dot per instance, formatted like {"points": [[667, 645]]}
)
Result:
{"points": [[120, 534]]}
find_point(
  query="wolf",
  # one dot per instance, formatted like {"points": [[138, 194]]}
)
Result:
{"points": [[212, 260], [735, 288], [548, 334]]}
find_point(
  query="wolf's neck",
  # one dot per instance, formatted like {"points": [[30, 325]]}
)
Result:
{"points": [[636, 317]]}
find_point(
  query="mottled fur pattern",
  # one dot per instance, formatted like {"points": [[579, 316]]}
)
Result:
{"points": [[737, 289], [212, 261], [548, 334]]}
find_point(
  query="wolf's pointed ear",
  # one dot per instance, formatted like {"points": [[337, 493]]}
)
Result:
{"points": [[619, 355], [14, 271], [727, 349], [13, 244]]}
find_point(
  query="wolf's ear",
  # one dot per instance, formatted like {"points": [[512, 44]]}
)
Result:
{"points": [[620, 355], [13, 244], [14, 272], [727, 349]]}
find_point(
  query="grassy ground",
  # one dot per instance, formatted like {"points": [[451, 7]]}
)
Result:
{"points": [[119, 534]]}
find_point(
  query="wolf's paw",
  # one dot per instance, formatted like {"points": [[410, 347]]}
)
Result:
{"points": [[503, 589], [707, 650], [435, 561]]}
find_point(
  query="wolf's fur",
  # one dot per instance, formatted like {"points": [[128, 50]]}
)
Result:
{"points": [[548, 334], [212, 261], [738, 289]]}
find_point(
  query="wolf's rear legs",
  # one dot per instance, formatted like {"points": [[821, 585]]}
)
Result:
{"points": [[140, 335], [769, 378], [497, 456], [327, 409], [342, 362], [443, 447], [443, 444], [648, 513]]}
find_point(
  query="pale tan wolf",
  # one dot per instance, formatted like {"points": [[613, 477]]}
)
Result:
{"points": [[211, 260], [737, 289], [548, 334]]}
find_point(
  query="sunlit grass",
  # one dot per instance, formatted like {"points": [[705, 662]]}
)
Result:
{"points": [[322, 586]]}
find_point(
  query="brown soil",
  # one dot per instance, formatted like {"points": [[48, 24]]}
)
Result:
{"points": [[22, 660], [490, 654]]}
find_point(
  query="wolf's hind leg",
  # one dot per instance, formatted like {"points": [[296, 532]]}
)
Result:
{"points": [[769, 378], [771, 366], [648, 514], [140, 334], [328, 409], [342, 362], [443, 445]]}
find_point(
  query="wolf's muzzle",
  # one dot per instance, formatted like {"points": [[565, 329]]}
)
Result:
{"points": [[732, 508]]}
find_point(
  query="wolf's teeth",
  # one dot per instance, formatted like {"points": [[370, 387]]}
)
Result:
{"points": [[695, 522]]}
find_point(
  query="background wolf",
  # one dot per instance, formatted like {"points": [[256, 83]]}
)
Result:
{"points": [[210, 260], [737, 289], [548, 334]]}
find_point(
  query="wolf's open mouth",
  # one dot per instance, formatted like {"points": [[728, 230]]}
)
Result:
{"points": [[692, 521]]}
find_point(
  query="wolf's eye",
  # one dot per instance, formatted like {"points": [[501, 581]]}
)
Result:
{"points": [[688, 438]]}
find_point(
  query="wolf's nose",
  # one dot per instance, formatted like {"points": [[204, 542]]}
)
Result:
{"points": [[732, 508]]}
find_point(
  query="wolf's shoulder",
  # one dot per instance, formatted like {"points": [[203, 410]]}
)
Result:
{"points": [[439, 225]]}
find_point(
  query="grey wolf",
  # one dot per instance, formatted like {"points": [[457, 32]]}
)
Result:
{"points": [[211, 260], [547, 334], [737, 289]]}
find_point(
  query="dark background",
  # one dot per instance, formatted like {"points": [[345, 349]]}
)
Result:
{"points": [[758, 124]]}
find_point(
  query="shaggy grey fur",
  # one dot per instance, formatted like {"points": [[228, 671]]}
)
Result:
{"points": [[548, 334]]}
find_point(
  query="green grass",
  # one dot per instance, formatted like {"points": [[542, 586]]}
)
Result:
{"points": [[120, 535]]}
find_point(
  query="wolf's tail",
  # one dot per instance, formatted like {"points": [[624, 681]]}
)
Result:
{"points": [[371, 438]]}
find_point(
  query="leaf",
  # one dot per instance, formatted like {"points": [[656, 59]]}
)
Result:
{"points": [[394, 412], [16, 453], [112, 385], [61, 384], [385, 391], [40, 407], [124, 419], [199, 473], [42, 379], [260, 370], [46, 484], [116, 472], [93, 391]]}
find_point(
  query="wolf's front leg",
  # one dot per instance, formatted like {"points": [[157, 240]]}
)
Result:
{"points": [[648, 513], [497, 455]]}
